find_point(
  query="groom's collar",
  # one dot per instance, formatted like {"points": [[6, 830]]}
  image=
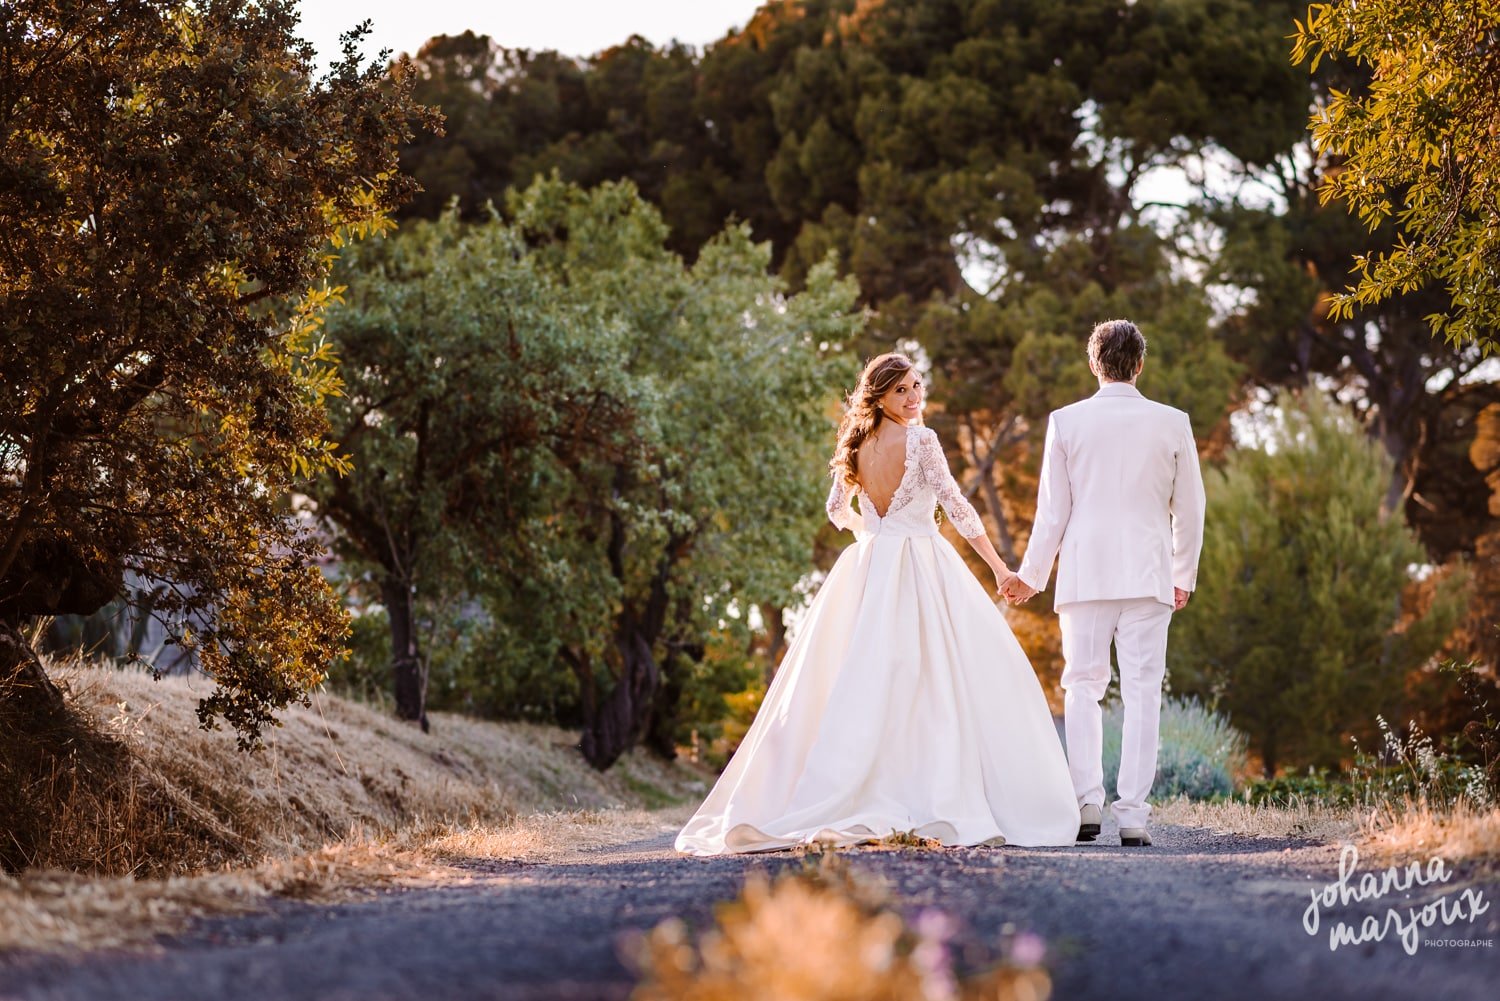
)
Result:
{"points": [[1119, 389]]}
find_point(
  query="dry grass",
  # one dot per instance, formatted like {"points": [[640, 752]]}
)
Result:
{"points": [[548, 837], [341, 798], [327, 772], [1398, 832], [52, 911], [1300, 818], [344, 798], [1412, 830]]}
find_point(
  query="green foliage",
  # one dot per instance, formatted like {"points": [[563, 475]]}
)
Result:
{"points": [[928, 145], [1411, 768], [363, 672], [468, 669], [1419, 145], [710, 509], [1200, 755], [1298, 629], [171, 178], [1186, 365], [1314, 785], [934, 145], [612, 454], [473, 390]]}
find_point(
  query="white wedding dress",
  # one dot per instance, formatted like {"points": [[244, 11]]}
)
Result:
{"points": [[904, 703]]}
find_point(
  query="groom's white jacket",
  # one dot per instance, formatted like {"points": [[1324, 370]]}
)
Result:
{"points": [[1121, 498]]}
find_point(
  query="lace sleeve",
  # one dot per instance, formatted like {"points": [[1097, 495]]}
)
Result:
{"points": [[840, 511], [935, 473]]}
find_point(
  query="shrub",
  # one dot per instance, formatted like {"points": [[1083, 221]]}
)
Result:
{"points": [[1410, 768], [1316, 785], [1305, 624], [1200, 754]]}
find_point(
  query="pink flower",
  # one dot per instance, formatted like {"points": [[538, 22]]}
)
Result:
{"points": [[1028, 949]]}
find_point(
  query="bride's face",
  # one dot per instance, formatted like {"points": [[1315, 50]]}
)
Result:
{"points": [[904, 399]]}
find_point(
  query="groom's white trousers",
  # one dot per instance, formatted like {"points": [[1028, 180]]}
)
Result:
{"points": [[1138, 629]]}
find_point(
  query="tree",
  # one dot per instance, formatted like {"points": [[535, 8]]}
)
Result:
{"points": [[471, 390], [978, 167], [615, 455], [1482, 628], [1298, 629], [906, 135], [713, 513], [974, 165], [1419, 143], [170, 181], [625, 113], [1287, 251]]}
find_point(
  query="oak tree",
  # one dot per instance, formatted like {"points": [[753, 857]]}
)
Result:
{"points": [[171, 178]]}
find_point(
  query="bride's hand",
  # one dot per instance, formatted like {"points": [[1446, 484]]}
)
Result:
{"points": [[1003, 575]]}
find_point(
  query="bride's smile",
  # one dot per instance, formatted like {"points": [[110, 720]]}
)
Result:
{"points": [[903, 402]]}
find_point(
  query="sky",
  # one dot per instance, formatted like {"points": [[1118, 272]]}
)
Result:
{"points": [[572, 27]]}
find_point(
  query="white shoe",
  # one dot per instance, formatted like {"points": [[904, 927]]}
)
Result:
{"points": [[1090, 817], [1134, 837]]}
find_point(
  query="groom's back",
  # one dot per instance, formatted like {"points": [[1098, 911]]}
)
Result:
{"points": [[1121, 452]]}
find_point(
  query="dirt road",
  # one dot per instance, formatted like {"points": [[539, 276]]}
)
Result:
{"points": [[1197, 915]]}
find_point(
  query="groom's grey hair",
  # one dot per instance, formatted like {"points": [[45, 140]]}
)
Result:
{"points": [[1116, 347]]}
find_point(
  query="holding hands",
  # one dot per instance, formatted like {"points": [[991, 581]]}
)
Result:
{"points": [[1016, 591], [1003, 576], [1011, 587]]}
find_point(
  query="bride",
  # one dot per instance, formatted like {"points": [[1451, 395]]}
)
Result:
{"points": [[905, 703]]}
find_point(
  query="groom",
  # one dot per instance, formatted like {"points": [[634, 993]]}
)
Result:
{"points": [[1122, 497]]}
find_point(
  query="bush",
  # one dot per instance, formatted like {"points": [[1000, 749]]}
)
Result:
{"points": [[1316, 785], [1200, 754], [1413, 767], [474, 667], [1305, 624], [1410, 768]]}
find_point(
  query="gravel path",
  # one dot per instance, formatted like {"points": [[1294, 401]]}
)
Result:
{"points": [[1197, 915]]}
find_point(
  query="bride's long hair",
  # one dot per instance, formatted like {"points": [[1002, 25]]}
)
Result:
{"points": [[862, 415]]}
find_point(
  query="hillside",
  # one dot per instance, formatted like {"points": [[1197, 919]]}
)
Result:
{"points": [[143, 790]]}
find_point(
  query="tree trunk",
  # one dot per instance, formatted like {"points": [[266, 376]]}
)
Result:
{"points": [[624, 714], [23, 680], [623, 717], [407, 666], [1403, 473], [1007, 546], [775, 618], [661, 724], [984, 480]]}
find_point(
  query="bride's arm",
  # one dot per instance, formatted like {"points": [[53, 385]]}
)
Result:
{"points": [[986, 550], [935, 471], [840, 512]]}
